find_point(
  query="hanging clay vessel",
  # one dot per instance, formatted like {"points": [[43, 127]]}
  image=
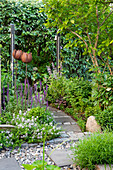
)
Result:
{"points": [[18, 54], [26, 58]]}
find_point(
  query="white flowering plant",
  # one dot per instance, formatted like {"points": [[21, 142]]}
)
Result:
{"points": [[30, 127]]}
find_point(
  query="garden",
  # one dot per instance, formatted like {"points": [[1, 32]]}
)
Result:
{"points": [[79, 83]]}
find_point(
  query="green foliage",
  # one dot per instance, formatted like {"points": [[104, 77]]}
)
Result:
{"points": [[30, 34], [87, 24], [43, 117], [96, 149], [56, 90], [29, 128], [82, 98], [38, 165], [78, 94], [102, 90], [74, 63], [105, 118]]}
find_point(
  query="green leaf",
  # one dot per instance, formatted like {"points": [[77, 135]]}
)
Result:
{"points": [[28, 167], [72, 21]]}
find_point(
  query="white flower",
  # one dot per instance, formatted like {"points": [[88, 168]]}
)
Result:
{"points": [[23, 119], [7, 137], [20, 112], [24, 114]]}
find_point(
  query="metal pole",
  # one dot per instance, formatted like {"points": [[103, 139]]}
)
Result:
{"points": [[12, 48], [0, 82], [58, 52]]}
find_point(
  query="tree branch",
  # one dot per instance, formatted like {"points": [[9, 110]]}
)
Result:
{"points": [[79, 37], [97, 37], [109, 67], [106, 18]]}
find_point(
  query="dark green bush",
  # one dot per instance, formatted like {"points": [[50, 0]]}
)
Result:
{"points": [[82, 98], [96, 149], [30, 34], [105, 118], [57, 89], [102, 90], [78, 94]]}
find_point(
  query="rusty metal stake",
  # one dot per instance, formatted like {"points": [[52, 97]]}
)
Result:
{"points": [[15, 77], [25, 87]]}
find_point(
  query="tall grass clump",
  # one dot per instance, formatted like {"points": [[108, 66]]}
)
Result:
{"points": [[96, 149]]}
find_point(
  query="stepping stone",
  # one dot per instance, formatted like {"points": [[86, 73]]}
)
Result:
{"points": [[63, 119], [5, 126], [9, 164], [60, 116], [75, 136], [67, 128], [52, 109], [61, 157], [59, 113], [103, 167]]}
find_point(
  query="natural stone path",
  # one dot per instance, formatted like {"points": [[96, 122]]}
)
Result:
{"points": [[71, 133]]}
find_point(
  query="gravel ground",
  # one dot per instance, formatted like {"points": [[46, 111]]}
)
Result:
{"points": [[28, 153]]}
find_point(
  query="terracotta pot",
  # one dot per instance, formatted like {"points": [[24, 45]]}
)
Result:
{"points": [[14, 53], [26, 58], [18, 54]]}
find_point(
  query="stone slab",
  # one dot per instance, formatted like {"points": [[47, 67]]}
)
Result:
{"points": [[52, 109], [5, 126], [61, 157], [75, 136], [9, 164], [104, 167], [63, 119], [60, 116], [67, 128], [59, 113]]}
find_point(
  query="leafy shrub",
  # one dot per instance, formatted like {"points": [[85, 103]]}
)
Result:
{"points": [[96, 149], [29, 127], [57, 89], [92, 110], [78, 94], [82, 98], [102, 90], [105, 118]]}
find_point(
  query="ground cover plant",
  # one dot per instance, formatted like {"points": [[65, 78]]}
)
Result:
{"points": [[96, 149], [30, 127]]}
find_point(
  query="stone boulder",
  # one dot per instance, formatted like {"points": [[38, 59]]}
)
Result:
{"points": [[91, 125]]}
